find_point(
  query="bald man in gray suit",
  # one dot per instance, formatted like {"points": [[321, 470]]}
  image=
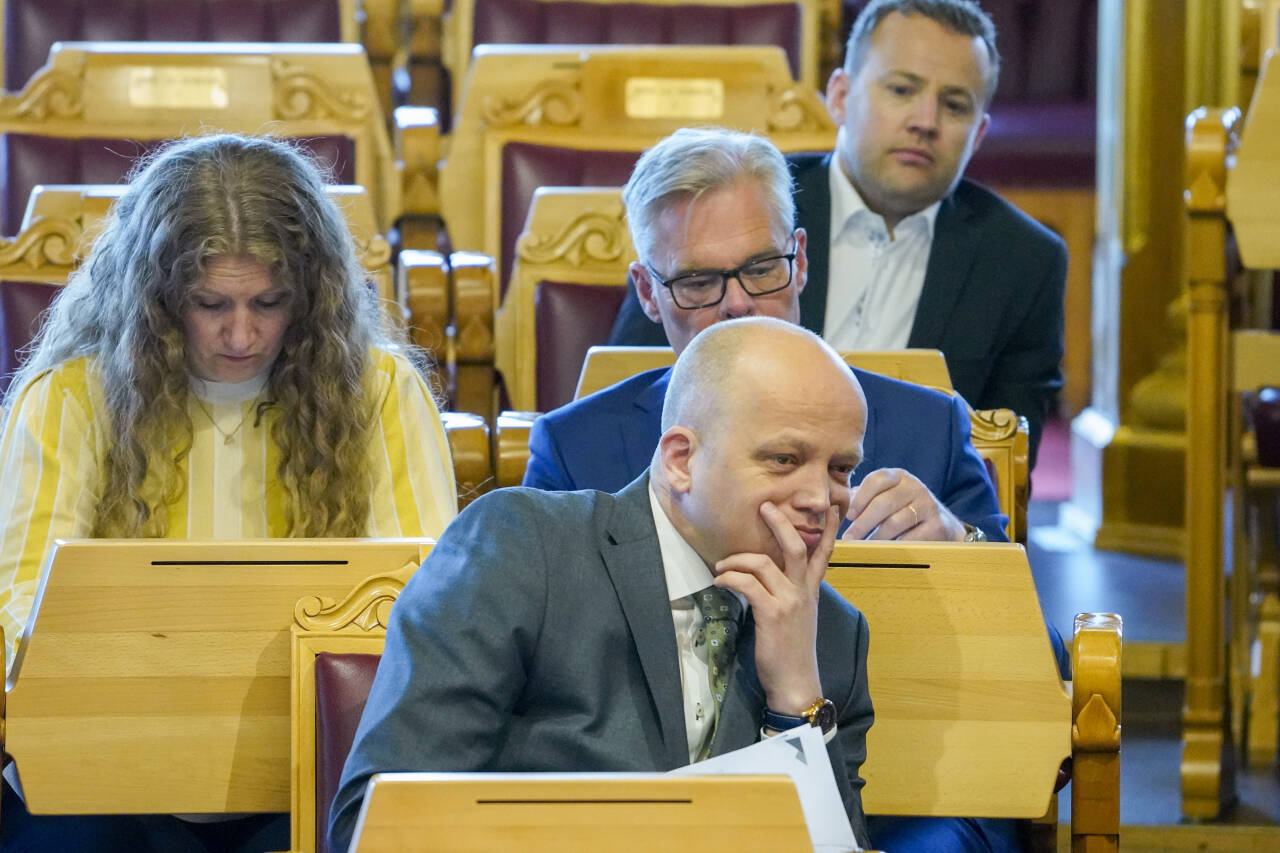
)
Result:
{"points": [[556, 631]]}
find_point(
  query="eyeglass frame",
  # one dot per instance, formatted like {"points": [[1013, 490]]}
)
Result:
{"points": [[734, 273]]}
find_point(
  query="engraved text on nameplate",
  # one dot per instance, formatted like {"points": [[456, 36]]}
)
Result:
{"points": [[177, 87], [697, 99]]}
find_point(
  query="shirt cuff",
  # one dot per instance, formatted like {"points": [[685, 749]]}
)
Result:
{"points": [[765, 734]]}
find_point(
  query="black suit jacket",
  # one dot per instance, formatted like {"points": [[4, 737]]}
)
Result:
{"points": [[992, 299]]}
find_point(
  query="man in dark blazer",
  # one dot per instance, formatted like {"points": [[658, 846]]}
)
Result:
{"points": [[544, 632], [989, 282], [712, 208], [704, 199]]}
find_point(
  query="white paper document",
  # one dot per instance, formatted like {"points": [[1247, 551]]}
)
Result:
{"points": [[800, 754]]}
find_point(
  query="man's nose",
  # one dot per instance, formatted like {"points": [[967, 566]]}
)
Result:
{"points": [[924, 116], [814, 493], [737, 302]]}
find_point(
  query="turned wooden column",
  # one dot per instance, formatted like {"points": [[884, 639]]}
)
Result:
{"points": [[1204, 732]]}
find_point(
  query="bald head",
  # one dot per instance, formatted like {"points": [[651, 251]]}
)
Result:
{"points": [[757, 410], [738, 355]]}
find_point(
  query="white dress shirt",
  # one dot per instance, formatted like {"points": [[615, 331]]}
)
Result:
{"points": [[687, 574], [875, 277]]}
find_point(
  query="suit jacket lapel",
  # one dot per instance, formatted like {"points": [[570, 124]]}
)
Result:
{"points": [[813, 213], [634, 562], [950, 258], [642, 425]]}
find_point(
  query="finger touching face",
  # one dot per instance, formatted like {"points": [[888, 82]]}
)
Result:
{"points": [[789, 432]]}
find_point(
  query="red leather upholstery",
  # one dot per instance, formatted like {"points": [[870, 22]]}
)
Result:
{"points": [[32, 26], [532, 22], [569, 318], [526, 167], [1043, 118], [21, 304], [342, 687], [27, 160]]}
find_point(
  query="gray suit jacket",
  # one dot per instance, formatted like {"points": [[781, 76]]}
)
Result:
{"points": [[537, 636]]}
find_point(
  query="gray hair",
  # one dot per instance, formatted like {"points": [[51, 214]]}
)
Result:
{"points": [[963, 17], [693, 161]]}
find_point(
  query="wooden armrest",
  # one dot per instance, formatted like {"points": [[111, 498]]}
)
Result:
{"points": [[472, 462], [1095, 730], [513, 446], [423, 288], [417, 141], [474, 297]]}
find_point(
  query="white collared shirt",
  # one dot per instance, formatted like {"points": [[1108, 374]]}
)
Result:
{"points": [[687, 574], [875, 278]]}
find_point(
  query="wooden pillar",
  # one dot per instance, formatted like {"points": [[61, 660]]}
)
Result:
{"points": [[1204, 732]]}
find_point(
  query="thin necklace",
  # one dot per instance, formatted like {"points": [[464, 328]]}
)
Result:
{"points": [[208, 413]]}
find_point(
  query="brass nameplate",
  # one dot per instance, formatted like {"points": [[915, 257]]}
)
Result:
{"points": [[693, 99], [178, 87]]}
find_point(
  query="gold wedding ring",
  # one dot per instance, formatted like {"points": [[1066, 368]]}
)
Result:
{"points": [[915, 516]]}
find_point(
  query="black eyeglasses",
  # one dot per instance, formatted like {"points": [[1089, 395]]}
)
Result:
{"points": [[758, 277]]}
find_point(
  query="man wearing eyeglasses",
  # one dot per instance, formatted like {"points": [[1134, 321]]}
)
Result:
{"points": [[905, 252], [711, 216], [711, 213]]}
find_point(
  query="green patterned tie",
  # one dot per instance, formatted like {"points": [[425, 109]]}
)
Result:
{"points": [[719, 632]]}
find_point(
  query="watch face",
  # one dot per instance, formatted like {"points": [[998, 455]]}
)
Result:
{"points": [[824, 716]]}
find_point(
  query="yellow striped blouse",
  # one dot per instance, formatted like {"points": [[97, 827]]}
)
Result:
{"points": [[54, 444]]}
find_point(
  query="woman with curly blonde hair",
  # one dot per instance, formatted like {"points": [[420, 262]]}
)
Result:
{"points": [[217, 368]]}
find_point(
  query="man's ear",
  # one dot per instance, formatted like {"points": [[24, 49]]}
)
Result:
{"points": [[675, 452], [802, 260], [644, 290], [983, 124], [837, 93]]}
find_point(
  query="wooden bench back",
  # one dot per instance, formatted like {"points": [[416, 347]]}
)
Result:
{"points": [[62, 221], [164, 90], [602, 98], [605, 365], [153, 676], [460, 27], [971, 717]]}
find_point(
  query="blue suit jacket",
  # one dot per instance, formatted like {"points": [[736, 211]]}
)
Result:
{"points": [[606, 440], [992, 299]]}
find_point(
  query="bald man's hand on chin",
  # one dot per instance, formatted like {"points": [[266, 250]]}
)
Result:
{"points": [[784, 602], [892, 504]]}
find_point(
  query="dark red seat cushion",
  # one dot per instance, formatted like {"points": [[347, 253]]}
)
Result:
{"points": [[527, 167], [32, 26], [570, 318], [27, 160], [21, 304], [533, 22], [342, 688]]}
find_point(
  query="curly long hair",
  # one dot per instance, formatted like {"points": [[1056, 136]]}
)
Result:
{"points": [[193, 201]]}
